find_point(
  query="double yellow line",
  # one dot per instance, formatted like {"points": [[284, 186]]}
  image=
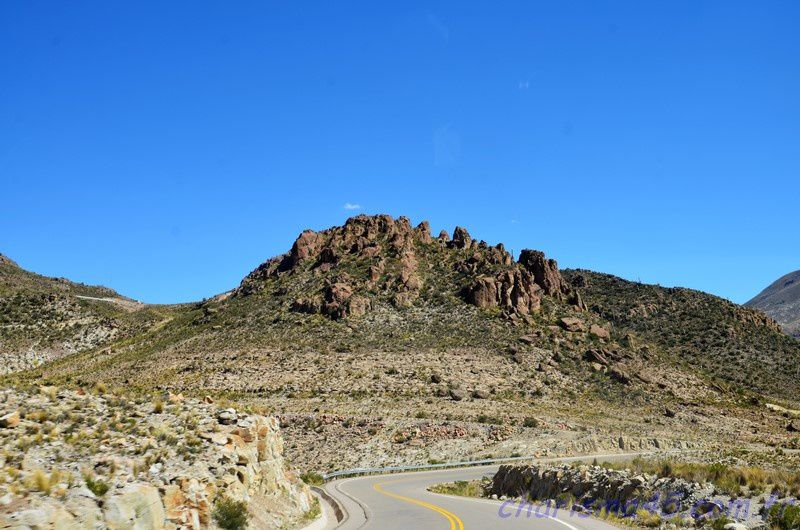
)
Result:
{"points": [[453, 519]]}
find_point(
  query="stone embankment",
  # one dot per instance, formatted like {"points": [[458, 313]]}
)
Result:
{"points": [[74, 459]]}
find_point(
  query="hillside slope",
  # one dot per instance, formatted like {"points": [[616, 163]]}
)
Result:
{"points": [[378, 344], [374, 287], [728, 342], [781, 301], [45, 318]]}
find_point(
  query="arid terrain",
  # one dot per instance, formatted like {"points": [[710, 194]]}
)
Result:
{"points": [[379, 343]]}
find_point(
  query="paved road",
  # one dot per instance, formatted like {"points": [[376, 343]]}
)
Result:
{"points": [[402, 502]]}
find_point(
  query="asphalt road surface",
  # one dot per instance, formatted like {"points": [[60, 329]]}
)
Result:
{"points": [[402, 502]]}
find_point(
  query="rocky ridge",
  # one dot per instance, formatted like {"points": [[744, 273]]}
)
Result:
{"points": [[374, 259], [89, 460]]}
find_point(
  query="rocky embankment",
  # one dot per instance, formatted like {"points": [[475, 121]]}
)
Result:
{"points": [[73, 459], [595, 489]]}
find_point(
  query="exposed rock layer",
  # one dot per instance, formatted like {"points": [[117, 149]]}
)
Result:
{"points": [[163, 465]]}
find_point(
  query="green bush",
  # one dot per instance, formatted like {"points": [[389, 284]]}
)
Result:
{"points": [[96, 486], [312, 478], [230, 514], [531, 423], [784, 517], [718, 523]]}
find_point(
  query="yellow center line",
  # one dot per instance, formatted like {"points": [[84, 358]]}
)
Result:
{"points": [[453, 519]]}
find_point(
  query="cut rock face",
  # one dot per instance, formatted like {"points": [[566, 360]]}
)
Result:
{"points": [[109, 479]]}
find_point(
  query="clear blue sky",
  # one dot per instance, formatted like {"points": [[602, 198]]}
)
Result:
{"points": [[167, 148]]}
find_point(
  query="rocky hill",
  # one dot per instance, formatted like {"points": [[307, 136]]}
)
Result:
{"points": [[731, 344], [78, 459], [378, 343], [781, 301], [45, 318]]}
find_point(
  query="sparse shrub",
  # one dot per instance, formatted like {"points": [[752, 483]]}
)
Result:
{"points": [[648, 519], [530, 422], [314, 512], [41, 481], [463, 488], [718, 523], [95, 485], [312, 478], [485, 418], [665, 469], [784, 517], [230, 514], [158, 406]]}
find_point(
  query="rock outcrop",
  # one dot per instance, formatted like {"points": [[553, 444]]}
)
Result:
{"points": [[588, 488], [545, 272], [374, 259], [114, 462], [512, 290]]}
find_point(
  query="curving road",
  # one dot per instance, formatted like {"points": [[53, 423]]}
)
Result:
{"points": [[403, 502]]}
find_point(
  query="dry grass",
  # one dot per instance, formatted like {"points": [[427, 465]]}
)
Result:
{"points": [[728, 479]]}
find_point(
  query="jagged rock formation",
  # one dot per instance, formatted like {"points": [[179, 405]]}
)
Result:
{"points": [[111, 461], [781, 301], [380, 258]]}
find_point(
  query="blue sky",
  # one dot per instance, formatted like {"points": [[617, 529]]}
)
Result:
{"points": [[167, 148]]}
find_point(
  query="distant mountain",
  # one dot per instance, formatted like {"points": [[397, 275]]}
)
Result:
{"points": [[781, 301]]}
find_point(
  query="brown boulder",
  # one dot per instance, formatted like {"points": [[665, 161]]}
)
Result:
{"points": [[304, 248], [599, 332], [423, 231], [461, 238], [335, 298], [572, 324], [620, 375], [483, 292], [595, 356], [456, 394], [358, 306]]}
